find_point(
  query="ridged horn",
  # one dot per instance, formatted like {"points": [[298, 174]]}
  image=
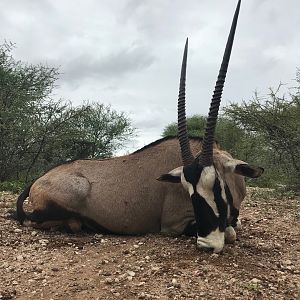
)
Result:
{"points": [[186, 154], [206, 156]]}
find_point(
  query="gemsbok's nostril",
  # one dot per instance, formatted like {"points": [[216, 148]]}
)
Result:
{"points": [[204, 249]]}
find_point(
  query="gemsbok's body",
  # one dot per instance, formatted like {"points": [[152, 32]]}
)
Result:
{"points": [[121, 195]]}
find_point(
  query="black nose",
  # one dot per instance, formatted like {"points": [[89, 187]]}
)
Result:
{"points": [[205, 249]]}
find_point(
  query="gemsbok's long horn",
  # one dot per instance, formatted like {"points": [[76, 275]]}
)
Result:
{"points": [[186, 153], [205, 158]]}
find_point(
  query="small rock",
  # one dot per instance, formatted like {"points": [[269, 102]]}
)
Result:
{"points": [[104, 261], [277, 246], [34, 233], [131, 273], [231, 280], [255, 280], [55, 269], [18, 230], [287, 262], [108, 280], [20, 257], [43, 242], [107, 273], [175, 283], [98, 236]]}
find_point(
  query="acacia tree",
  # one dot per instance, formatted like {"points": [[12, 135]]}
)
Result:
{"points": [[22, 90], [276, 122], [101, 130], [37, 131], [262, 131]]}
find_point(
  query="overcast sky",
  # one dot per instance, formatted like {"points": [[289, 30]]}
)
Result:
{"points": [[128, 53]]}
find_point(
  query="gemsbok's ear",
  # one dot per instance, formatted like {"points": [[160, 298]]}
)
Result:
{"points": [[248, 171], [173, 176], [242, 168]]}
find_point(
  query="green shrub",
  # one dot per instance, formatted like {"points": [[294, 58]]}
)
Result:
{"points": [[12, 186]]}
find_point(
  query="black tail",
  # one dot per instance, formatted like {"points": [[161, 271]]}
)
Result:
{"points": [[21, 215]]}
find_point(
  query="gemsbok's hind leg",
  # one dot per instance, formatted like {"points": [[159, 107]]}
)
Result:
{"points": [[54, 217], [71, 225], [58, 200], [67, 191], [74, 225]]}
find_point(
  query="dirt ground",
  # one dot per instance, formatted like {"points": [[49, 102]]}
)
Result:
{"points": [[263, 264]]}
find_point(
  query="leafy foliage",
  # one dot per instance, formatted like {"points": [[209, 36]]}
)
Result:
{"points": [[275, 122], [37, 131], [101, 131], [262, 131], [228, 134], [12, 186]]}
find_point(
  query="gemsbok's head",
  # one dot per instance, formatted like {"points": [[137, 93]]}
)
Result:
{"points": [[204, 176]]}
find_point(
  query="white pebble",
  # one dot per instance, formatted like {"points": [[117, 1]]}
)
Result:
{"points": [[131, 273]]}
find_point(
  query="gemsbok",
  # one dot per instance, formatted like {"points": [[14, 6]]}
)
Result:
{"points": [[121, 195]]}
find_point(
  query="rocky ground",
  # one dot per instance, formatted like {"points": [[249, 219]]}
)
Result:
{"points": [[263, 264]]}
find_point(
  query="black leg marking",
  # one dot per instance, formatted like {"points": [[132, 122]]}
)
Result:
{"points": [[55, 212]]}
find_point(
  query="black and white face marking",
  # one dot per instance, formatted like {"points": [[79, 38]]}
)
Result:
{"points": [[207, 191], [212, 200]]}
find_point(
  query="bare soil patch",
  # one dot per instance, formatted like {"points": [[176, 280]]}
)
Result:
{"points": [[263, 264]]}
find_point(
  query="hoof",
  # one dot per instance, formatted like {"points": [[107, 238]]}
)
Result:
{"points": [[74, 225], [29, 223], [230, 235]]}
